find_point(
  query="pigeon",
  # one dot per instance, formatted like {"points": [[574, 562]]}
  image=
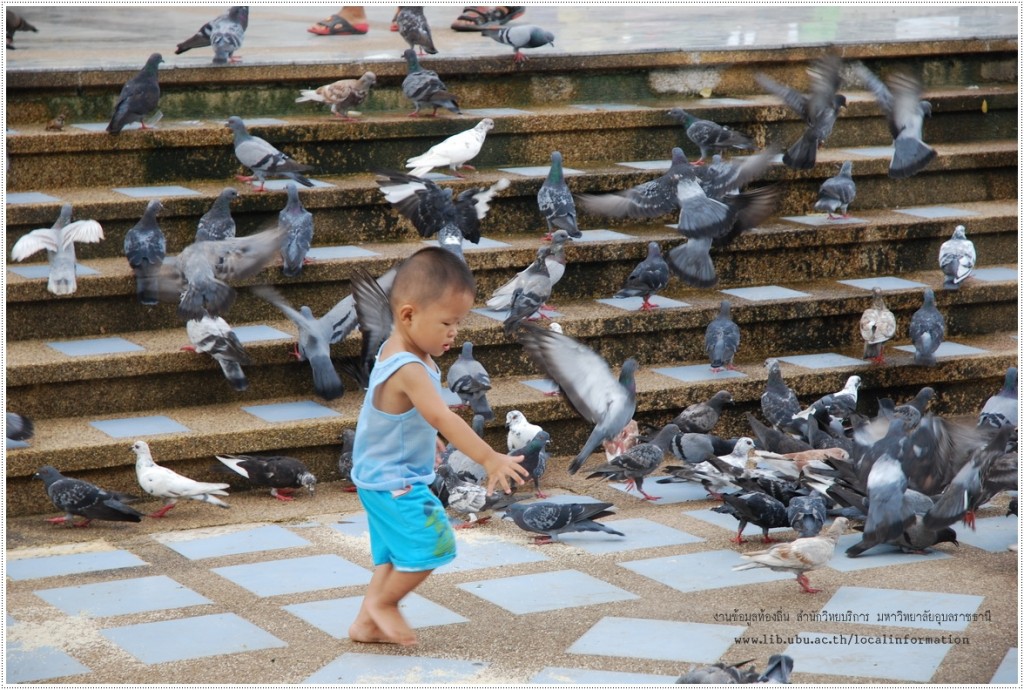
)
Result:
{"points": [[700, 418], [424, 88], [757, 508], [709, 136], [521, 36], [841, 404], [146, 247], [263, 159], [799, 556], [778, 402], [806, 514], [468, 379], [818, 109], [529, 296], [588, 383], [552, 519], [535, 459], [773, 440], [554, 260], [57, 123], [905, 113], [927, 330], [836, 193], [16, 22], [453, 152], [877, 327], [59, 243], [169, 485], [722, 339], [910, 413], [956, 259], [972, 486], [555, 200], [646, 200], [228, 28], [626, 439], [724, 177], [638, 462], [464, 466], [649, 276], [348, 441], [139, 97], [217, 223], [777, 671], [213, 336], [19, 427], [281, 473], [413, 27], [297, 223], [470, 498], [78, 497], [1001, 409], [520, 431], [715, 477], [373, 316], [343, 95]]}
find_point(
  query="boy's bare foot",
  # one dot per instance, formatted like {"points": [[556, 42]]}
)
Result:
{"points": [[391, 624], [367, 632]]}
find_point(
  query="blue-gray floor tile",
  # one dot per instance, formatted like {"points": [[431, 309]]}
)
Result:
{"points": [[905, 608], [602, 235], [156, 191], [39, 664], [822, 360], [43, 270], [281, 185], [725, 101], [259, 332], [641, 533], [765, 292], [102, 126], [70, 564], [467, 246], [567, 498], [94, 346], [667, 493], [698, 372], [948, 349], [121, 597], [645, 638], [875, 557], [728, 522], [263, 121], [483, 552], [12, 445], [290, 411], [550, 591], [546, 386], [634, 303], [992, 533], [503, 314], [127, 427], [560, 675], [936, 212], [291, 575], [995, 274], [609, 107], [871, 151], [29, 198], [885, 283], [353, 525], [647, 165], [496, 112], [702, 570], [383, 669], [1007, 671], [334, 616], [537, 170], [822, 220], [191, 638], [198, 544], [346, 251], [868, 655]]}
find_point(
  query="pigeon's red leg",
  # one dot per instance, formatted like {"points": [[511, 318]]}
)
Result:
{"points": [[647, 306], [969, 519], [805, 584], [351, 489], [765, 539], [467, 166], [540, 494], [57, 520], [235, 59], [163, 511], [738, 539], [731, 367], [245, 178], [518, 58], [188, 348], [282, 494], [293, 351], [543, 540]]}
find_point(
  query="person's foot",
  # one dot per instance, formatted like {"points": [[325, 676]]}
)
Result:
{"points": [[477, 18], [338, 25], [391, 624], [366, 631]]}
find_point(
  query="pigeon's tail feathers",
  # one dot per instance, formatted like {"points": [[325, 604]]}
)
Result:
{"points": [[213, 297], [300, 178], [326, 381], [422, 170], [692, 263], [593, 526], [234, 463], [593, 441], [925, 359], [211, 499], [200, 39], [747, 566], [19, 427], [310, 95], [910, 156], [803, 154], [234, 374], [872, 350]]}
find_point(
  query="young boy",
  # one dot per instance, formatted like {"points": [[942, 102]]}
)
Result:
{"points": [[396, 439]]}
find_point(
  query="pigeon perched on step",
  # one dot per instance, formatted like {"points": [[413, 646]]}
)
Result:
{"points": [[413, 27], [905, 112], [755, 508], [638, 462], [840, 405], [778, 402], [520, 431], [819, 108], [19, 427], [263, 159], [555, 201], [877, 327], [535, 459], [453, 152], [1001, 409], [722, 339], [468, 379], [139, 97], [281, 473], [800, 556], [229, 29], [146, 247], [552, 519], [709, 136], [529, 296], [956, 259], [78, 497], [15, 22], [806, 514], [217, 223], [297, 223], [169, 485], [213, 336], [343, 95], [837, 193], [554, 260], [927, 330], [649, 276], [520, 36], [424, 88], [700, 418], [773, 440], [59, 243], [348, 442]]}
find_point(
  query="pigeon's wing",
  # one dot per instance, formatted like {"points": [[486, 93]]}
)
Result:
{"points": [[238, 258], [648, 200], [373, 311], [797, 101], [425, 204], [37, 240], [81, 231], [341, 318], [881, 93], [825, 79], [270, 294]]}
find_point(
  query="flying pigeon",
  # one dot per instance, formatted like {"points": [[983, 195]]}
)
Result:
{"points": [[281, 473], [646, 200], [453, 152], [905, 112], [217, 223], [535, 459], [520, 36], [139, 97], [722, 339], [638, 462], [16, 22], [529, 296], [877, 327], [700, 418], [468, 379], [297, 223], [59, 243], [343, 95], [169, 485], [554, 260], [373, 316], [424, 88], [413, 27], [588, 383], [348, 441], [520, 431], [756, 508], [927, 330], [551, 519], [956, 259], [778, 402], [263, 159], [800, 556], [649, 276], [806, 514], [213, 336], [19, 427], [1001, 409], [224, 33], [555, 200], [836, 193], [78, 497], [146, 247], [709, 136], [818, 109]]}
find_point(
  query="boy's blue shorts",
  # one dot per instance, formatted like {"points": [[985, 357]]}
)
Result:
{"points": [[410, 530]]}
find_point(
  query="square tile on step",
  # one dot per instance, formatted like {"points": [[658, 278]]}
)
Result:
{"points": [[867, 658], [102, 126], [503, 314], [995, 274], [1007, 671], [871, 151], [440, 177], [886, 283], [29, 198], [263, 122], [725, 101], [560, 675], [993, 534], [384, 669], [282, 185], [538, 170], [634, 303], [647, 165], [191, 638], [916, 606], [127, 427], [496, 112], [545, 386], [69, 564], [640, 534], [346, 251], [213, 542], [645, 638], [602, 235], [936, 212], [948, 349], [819, 220], [13, 445], [703, 570], [467, 246], [94, 346], [550, 591], [121, 597], [33, 664], [334, 616], [698, 372], [669, 492], [290, 575], [822, 360], [43, 270], [764, 292], [290, 411], [156, 191], [612, 107], [751, 533], [876, 557], [258, 333]]}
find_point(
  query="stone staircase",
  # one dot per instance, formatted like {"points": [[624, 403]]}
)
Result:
{"points": [[600, 111]]}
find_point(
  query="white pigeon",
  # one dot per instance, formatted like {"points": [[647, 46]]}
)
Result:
{"points": [[453, 151], [957, 258], [520, 431], [799, 556], [169, 485], [713, 479], [59, 243]]}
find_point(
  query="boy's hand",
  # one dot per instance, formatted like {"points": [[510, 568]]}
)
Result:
{"points": [[438, 452], [503, 469]]}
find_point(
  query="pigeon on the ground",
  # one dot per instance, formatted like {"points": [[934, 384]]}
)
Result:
{"points": [[139, 97], [819, 109], [169, 485], [520, 431], [146, 247], [587, 382], [692, 448], [773, 440], [424, 88], [263, 159], [638, 462], [343, 95], [281, 473], [535, 459], [297, 224], [778, 402], [806, 514], [649, 276], [877, 327], [348, 441], [213, 336], [464, 466], [836, 193], [229, 30], [722, 339], [956, 259], [468, 379], [551, 519], [905, 112], [910, 412], [555, 200], [927, 330], [453, 152], [754, 507], [217, 223], [59, 243], [413, 27], [799, 556], [520, 36], [715, 477], [554, 261], [700, 418], [777, 671], [16, 22], [709, 136], [529, 296], [78, 497], [19, 427], [1001, 409], [470, 498]]}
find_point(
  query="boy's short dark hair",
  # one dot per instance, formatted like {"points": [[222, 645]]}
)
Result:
{"points": [[428, 275]]}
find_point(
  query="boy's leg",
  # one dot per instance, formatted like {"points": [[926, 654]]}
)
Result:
{"points": [[381, 602], [364, 629]]}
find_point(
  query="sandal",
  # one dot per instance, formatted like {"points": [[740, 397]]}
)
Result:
{"points": [[336, 25], [505, 14], [472, 19]]}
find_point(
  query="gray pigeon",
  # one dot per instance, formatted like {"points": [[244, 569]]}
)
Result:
{"points": [[554, 260], [587, 382], [298, 225], [836, 193], [956, 259], [19, 427], [555, 200], [280, 472], [139, 96], [757, 508], [146, 247], [217, 223], [78, 497], [646, 200], [709, 136], [413, 27], [927, 330], [203, 38], [722, 339], [529, 296], [213, 336], [910, 412], [348, 441], [373, 315], [551, 519], [807, 514], [263, 159], [905, 112], [535, 459], [649, 276], [975, 484], [227, 33], [778, 403], [469, 498], [1001, 409], [521, 36], [777, 671], [59, 243], [424, 88], [468, 379], [639, 461], [700, 418], [15, 22]]}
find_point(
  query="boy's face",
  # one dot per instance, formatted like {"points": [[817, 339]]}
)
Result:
{"points": [[433, 327]]}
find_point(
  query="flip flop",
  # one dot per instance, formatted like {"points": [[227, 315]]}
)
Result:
{"points": [[336, 25], [472, 19]]}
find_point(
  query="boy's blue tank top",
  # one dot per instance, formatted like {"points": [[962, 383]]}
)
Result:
{"points": [[393, 451]]}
